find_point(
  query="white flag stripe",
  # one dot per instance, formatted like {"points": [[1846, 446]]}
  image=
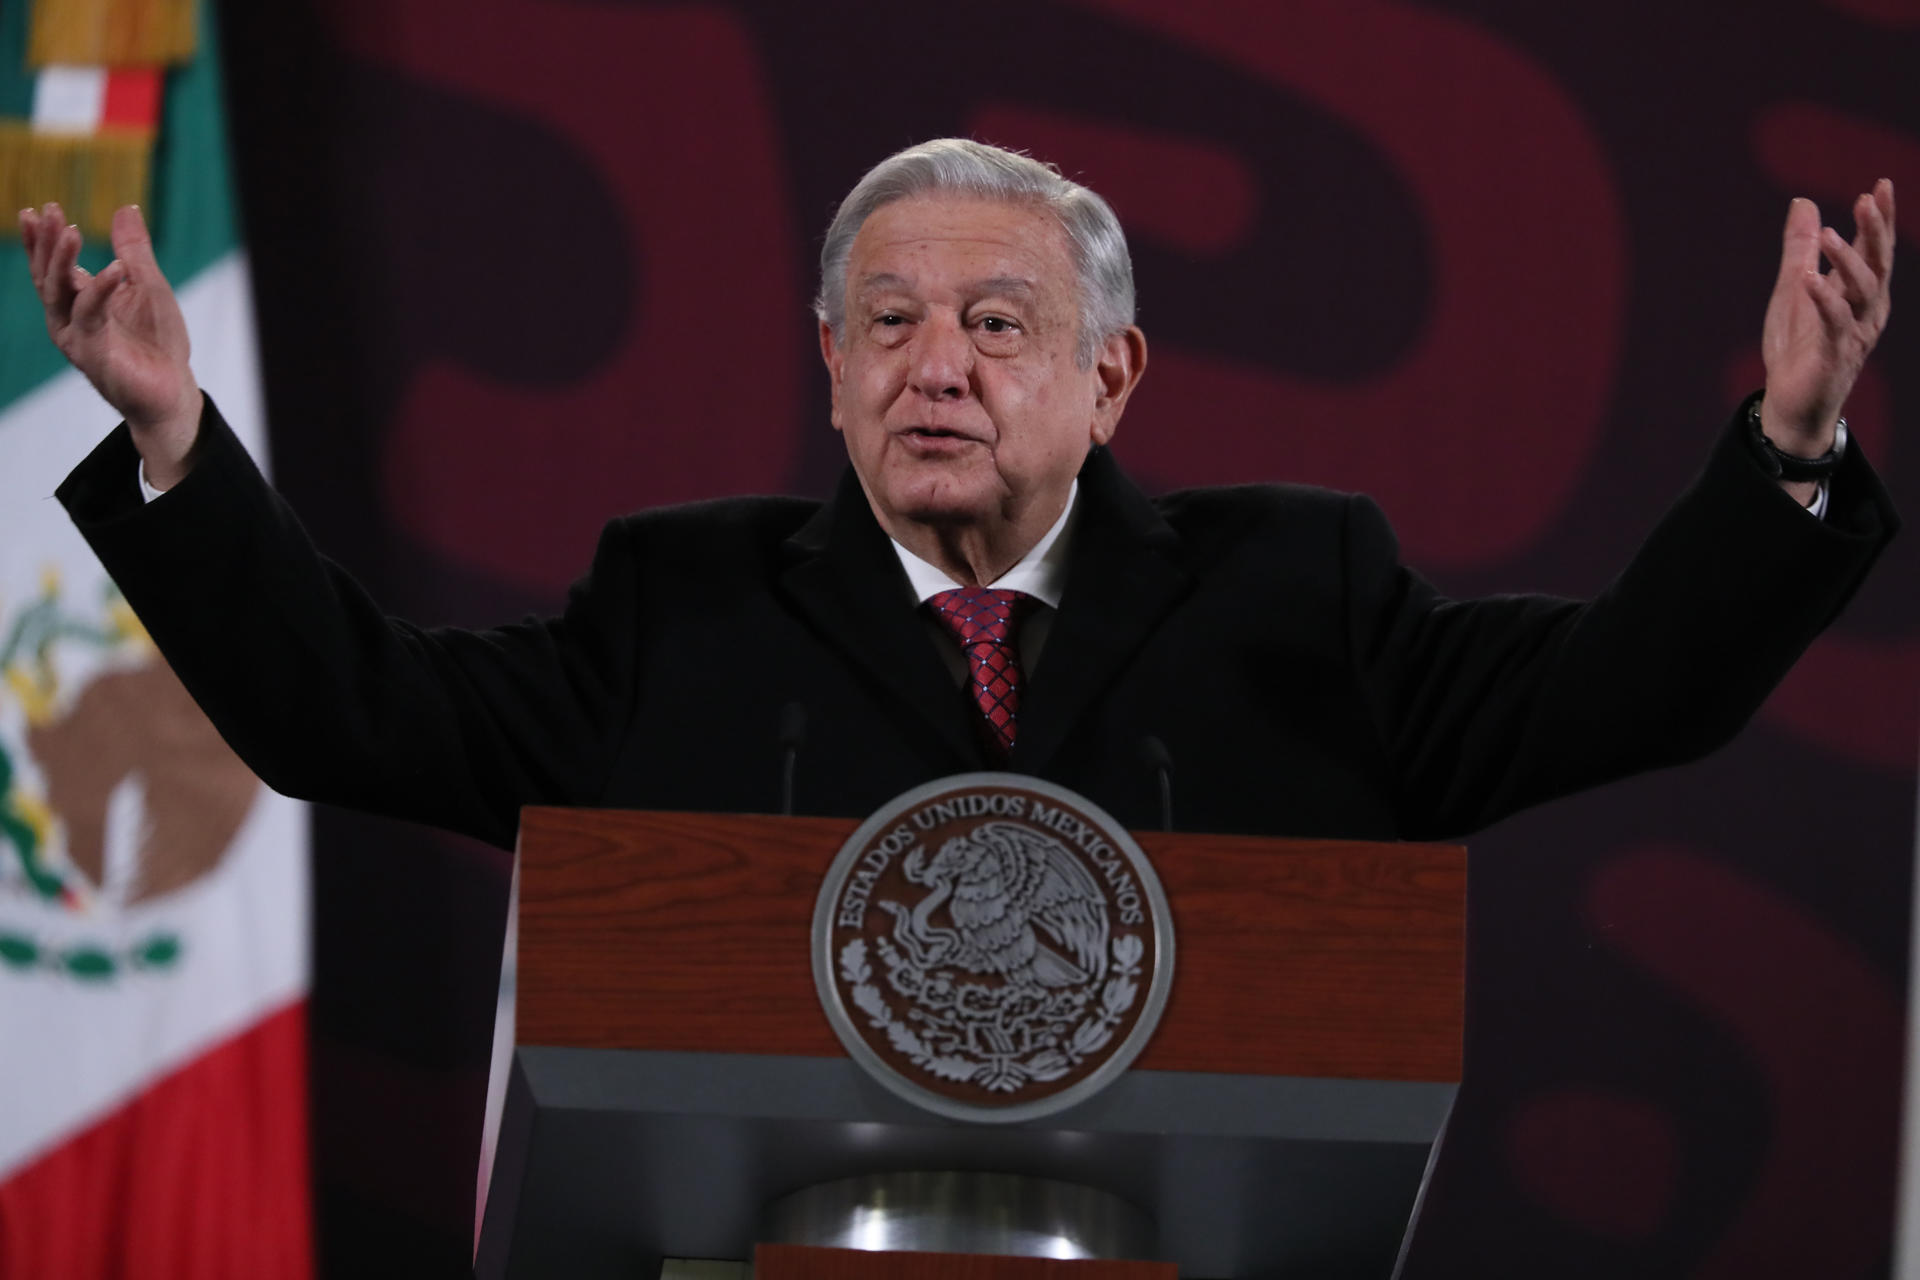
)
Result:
{"points": [[243, 927], [69, 99]]}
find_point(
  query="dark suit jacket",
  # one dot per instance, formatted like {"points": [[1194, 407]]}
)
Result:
{"points": [[1303, 681]]}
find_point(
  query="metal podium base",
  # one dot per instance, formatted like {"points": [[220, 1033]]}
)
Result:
{"points": [[610, 1160], [960, 1212]]}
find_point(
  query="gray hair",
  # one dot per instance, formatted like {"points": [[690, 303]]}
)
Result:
{"points": [[961, 166]]}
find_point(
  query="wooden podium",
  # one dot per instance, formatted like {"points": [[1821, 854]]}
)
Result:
{"points": [[675, 1073]]}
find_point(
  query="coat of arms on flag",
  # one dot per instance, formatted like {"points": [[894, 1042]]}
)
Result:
{"points": [[125, 747], [153, 930]]}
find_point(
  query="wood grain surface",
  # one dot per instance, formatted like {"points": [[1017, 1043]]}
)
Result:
{"points": [[806, 1262], [692, 932]]}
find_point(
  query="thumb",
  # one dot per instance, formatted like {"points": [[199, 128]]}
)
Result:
{"points": [[1799, 241], [133, 246]]}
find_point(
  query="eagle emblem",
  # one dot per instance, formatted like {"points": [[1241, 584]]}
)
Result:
{"points": [[1022, 908], [984, 943]]}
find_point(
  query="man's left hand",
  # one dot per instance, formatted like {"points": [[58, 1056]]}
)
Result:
{"points": [[1820, 328]]}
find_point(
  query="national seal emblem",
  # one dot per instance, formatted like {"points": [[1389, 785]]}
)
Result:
{"points": [[992, 947]]}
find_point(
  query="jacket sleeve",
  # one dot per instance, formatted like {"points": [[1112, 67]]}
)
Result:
{"points": [[1486, 707], [328, 699]]}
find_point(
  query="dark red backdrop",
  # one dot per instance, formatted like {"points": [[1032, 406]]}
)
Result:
{"points": [[524, 264]]}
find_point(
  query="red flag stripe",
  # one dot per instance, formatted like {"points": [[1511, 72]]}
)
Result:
{"points": [[203, 1176], [133, 99]]}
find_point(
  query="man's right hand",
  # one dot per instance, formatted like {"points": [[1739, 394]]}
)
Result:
{"points": [[123, 330]]}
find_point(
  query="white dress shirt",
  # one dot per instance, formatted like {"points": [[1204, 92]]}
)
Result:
{"points": [[1041, 573]]}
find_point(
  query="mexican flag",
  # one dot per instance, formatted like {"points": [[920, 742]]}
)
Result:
{"points": [[153, 913]]}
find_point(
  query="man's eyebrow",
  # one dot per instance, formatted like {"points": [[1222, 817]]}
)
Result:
{"points": [[880, 282], [992, 286], [1001, 286]]}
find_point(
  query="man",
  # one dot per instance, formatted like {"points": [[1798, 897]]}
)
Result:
{"points": [[986, 589]]}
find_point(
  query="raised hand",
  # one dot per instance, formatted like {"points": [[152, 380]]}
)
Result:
{"points": [[123, 330], [1820, 328]]}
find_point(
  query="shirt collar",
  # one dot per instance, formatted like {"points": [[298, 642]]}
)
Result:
{"points": [[1041, 573]]}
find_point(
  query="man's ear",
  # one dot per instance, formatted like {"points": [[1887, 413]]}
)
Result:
{"points": [[1118, 366], [830, 353]]}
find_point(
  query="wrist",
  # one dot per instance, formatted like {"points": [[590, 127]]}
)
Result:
{"points": [[1793, 438], [166, 446], [1794, 457]]}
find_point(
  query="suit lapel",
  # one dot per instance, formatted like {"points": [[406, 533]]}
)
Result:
{"points": [[845, 577], [1123, 577]]}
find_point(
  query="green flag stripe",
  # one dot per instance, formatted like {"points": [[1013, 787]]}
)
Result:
{"points": [[191, 212], [16, 78]]}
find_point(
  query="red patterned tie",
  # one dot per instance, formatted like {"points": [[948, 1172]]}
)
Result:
{"points": [[983, 621]]}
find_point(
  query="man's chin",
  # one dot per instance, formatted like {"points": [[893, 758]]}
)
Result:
{"points": [[947, 512], [944, 503]]}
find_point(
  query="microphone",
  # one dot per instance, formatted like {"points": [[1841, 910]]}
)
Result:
{"points": [[1154, 752], [793, 733]]}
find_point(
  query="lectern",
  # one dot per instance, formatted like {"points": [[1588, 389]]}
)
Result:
{"points": [[676, 1081]]}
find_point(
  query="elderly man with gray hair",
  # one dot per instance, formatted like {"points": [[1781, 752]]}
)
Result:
{"points": [[986, 589]]}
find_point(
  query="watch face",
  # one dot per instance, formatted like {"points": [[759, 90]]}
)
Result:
{"points": [[992, 947]]}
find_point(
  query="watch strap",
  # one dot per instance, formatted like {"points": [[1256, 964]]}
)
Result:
{"points": [[1786, 466]]}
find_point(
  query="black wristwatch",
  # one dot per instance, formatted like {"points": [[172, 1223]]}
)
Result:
{"points": [[1785, 466]]}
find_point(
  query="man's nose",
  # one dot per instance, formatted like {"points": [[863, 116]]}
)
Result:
{"points": [[942, 366]]}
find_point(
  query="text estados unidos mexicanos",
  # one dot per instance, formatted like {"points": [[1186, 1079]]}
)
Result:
{"points": [[873, 863]]}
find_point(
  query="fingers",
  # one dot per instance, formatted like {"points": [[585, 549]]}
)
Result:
{"points": [[69, 294], [133, 246], [50, 230], [1800, 240], [1883, 211], [1860, 283], [57, 286], [90, 307], [1836, 312], [1874, 234], [47, 226], [30, 238], [53, 225]]}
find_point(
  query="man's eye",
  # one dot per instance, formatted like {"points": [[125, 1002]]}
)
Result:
{"points": [[890, 319], [998, 324]]}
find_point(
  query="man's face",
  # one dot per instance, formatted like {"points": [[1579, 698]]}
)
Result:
{"points": [[955, 382]]}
